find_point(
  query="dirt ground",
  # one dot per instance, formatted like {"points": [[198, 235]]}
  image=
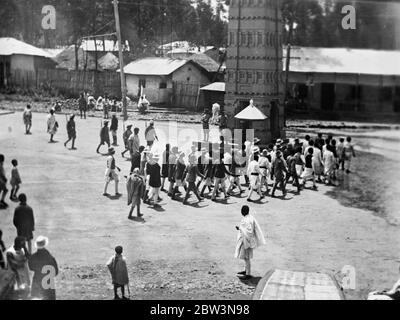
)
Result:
{"points": [[180, 252]]}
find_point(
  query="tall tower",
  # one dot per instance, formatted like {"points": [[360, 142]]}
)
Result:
{"points": [[254, 66]]}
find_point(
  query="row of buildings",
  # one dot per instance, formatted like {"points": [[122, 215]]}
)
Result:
{"points": [[333, 81]]}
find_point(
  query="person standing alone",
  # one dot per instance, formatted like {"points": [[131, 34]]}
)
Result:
{"points": [[111, 174], [24, 221], [250, 237], [104, 136], [71, 130], [27, 117], [114, 129], [82, 105], [52, 125]]}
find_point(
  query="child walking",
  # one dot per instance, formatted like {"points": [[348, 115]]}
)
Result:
{"points": [[119, 273], [15, 180]]}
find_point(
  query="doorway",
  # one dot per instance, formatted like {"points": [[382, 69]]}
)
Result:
{"points": [[327, 96]]}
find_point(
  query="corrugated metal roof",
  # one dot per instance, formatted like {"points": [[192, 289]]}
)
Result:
{"points": [[216, 86], [344, 60], [10, 46], [206, 62], [154, 66]]}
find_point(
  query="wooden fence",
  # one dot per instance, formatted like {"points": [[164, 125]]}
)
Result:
{"points": [[69, 83], [186, 95]]}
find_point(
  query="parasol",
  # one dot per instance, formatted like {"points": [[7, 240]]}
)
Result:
{"points": [[251, 112]]}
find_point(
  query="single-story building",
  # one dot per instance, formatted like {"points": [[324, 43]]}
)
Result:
{"points": [[19, 62], [345, 81], [159, 77]]}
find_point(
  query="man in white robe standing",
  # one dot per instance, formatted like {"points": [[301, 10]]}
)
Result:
{"points": [[250, 236]]}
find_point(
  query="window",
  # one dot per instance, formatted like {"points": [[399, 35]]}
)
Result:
{"points": [[242, 76], [142, 83], [259, 39], [249, 77], [188, 79], [163, 85], [259, 76], [243, 39], [250, 39], [231, 38]]}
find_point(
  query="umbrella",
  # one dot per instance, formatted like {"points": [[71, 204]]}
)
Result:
{"points": [[251, 112]]}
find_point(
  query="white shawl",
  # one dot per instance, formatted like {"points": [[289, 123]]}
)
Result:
{"points": [[250, 234]]}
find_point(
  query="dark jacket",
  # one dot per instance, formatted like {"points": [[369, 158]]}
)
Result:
{"points": [[82, 103], [44, 266], [192, 173], [105, 134], [114, 124], [180, 170], [279, 168], [71, 128], [24, 221]]}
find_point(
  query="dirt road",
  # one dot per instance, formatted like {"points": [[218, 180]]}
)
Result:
{"points": [[176, 250]]}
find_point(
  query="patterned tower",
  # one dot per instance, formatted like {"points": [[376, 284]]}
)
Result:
{"points": [[254, 66]]}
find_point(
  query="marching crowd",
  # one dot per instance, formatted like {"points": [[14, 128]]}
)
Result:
{"points": [[226, 170]]}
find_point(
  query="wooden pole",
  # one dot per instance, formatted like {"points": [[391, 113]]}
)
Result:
{"points": [[121, 60]]}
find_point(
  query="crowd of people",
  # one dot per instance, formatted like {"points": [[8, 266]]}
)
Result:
{"points": [[34, 272], [204, 171], [231, 169]]}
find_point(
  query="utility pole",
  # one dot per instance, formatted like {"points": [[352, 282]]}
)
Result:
{"points": [[289, 46], [121, 60]]}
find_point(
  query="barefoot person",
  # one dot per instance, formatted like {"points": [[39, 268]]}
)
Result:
{"points": [[114, 129], [111, 174], [253, 172], [250, 237], [24, 221], [349, 153], [136, 187], [125, 138], [27, 117], [150, 134], [104, 136], [308, 173], [52, 125], [71, 130], [15, 180], [119, 273], [192, 174]]}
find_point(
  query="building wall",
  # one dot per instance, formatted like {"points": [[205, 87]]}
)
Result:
{"points": [[22, 62], [189, 73], [254, 64], [372, 95], [153, 92]]}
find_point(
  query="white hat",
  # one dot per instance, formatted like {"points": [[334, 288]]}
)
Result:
{"points": [[41, 242]]}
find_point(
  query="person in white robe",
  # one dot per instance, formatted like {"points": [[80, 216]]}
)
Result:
{"points": [[52, 125], [250, 237]]}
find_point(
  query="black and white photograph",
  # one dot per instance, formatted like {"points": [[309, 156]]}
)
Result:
{"points": [[215, 151]]}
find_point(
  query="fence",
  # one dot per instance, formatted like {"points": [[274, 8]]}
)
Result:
{"points": [[69, 83], [186, 95]]}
